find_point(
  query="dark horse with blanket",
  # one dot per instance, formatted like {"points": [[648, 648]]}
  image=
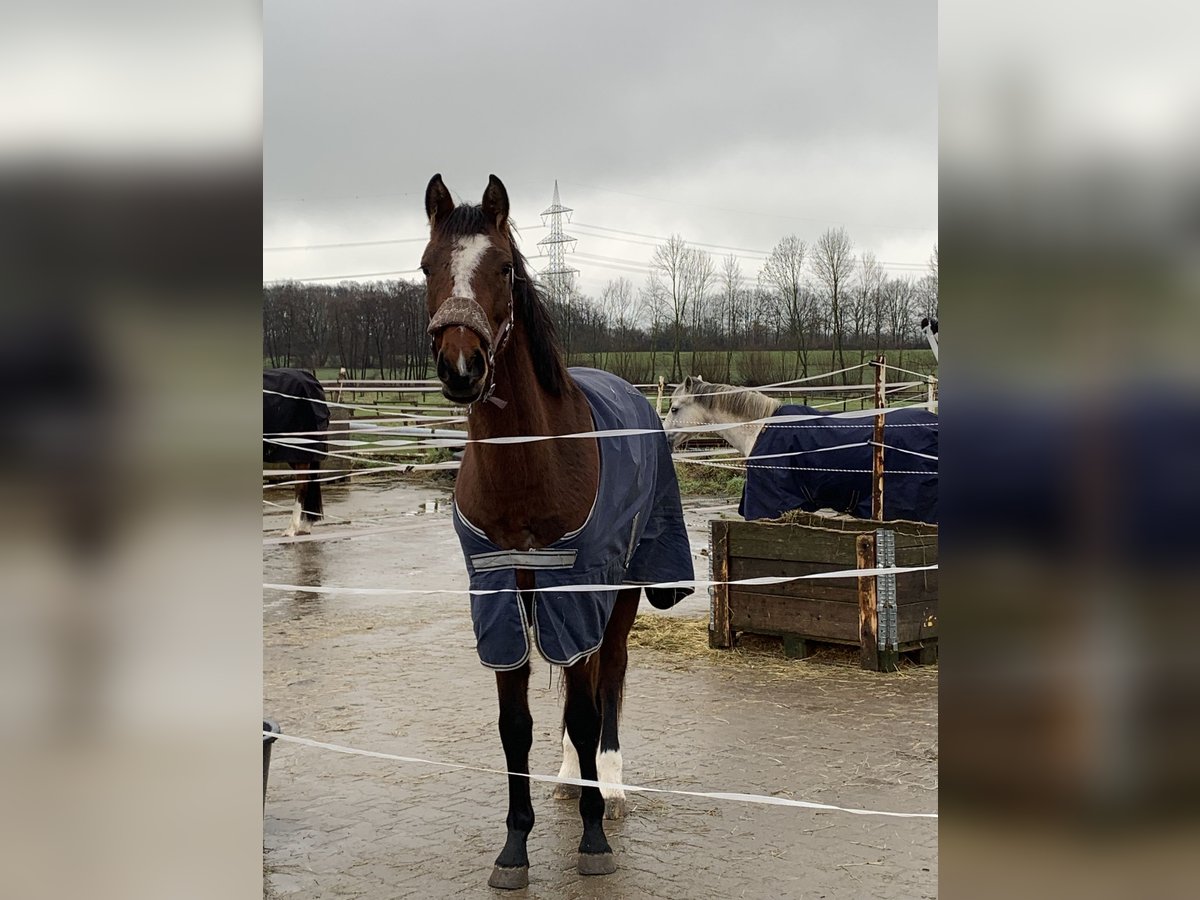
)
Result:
{"points": [[294, 408], [538, 517]]}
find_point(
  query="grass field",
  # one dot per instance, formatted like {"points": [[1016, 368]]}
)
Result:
{"points": [[776, 365], [742, 367], [772, 366]]}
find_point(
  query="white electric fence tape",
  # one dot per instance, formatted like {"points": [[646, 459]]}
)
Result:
{"points": [[597, 588], [789, 421], [731, 796]]}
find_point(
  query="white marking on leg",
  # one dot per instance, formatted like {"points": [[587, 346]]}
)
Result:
{"points": [[608, 768], [464, 259], [294, 527], [570, 763]]}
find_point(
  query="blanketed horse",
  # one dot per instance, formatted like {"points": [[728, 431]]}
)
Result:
{"points": [[294, 401], [801, 458], [546, 514]]}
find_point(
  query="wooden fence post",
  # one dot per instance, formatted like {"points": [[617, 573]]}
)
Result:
{"points": [[662, 383], [868, 617], [877, 447], [720, 628]]}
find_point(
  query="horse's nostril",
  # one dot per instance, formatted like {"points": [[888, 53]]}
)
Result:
{"points": [[461, 371]]}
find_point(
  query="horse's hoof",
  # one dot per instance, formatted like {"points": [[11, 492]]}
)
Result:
{"points": [[566, 792], [509, 878], [597, 863], [614, 808]]}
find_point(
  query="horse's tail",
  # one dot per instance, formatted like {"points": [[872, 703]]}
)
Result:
{"points": [[311, 504]]}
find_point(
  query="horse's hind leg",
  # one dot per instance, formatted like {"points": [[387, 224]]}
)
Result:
{"points": [[297, 524], [516, 732], [583, 725], [614, 659], [570, 767], [311, 507]]}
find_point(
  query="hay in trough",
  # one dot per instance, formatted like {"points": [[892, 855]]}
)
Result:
{"points": [[676, 642]]}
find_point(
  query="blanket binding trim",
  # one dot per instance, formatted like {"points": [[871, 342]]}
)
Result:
{"points": [[524, 559]]}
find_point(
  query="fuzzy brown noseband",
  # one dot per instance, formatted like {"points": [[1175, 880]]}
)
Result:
{"points": [[465, 312]]}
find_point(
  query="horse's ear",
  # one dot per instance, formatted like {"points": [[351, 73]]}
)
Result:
{"points": [[495, 202], [438, 202], [688, 382]]}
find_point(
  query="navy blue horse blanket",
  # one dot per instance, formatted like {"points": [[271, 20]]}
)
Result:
{"points": [[777, 482], [303, 409], [634, 534]]}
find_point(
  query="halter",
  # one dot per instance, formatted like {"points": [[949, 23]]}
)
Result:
{"points": [[467, 313]]}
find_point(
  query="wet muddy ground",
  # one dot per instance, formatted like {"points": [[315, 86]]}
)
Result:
{"points": [[399, 674]]}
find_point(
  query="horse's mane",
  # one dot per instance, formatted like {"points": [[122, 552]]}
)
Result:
{"points": [[740, 403], [531, 311]]}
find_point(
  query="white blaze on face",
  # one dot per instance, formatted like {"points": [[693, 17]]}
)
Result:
{"points": [[464, 260]]}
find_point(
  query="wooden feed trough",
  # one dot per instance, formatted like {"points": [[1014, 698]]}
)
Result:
{"points": [[884, 616]]}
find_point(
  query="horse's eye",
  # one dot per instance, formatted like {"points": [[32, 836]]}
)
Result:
{"points": [[425, 271], [674, 409], [506, 270]]}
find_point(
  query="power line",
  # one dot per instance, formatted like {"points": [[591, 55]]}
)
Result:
{"points": [[619, 265], [345, 244], [358, 275], [412, 240], [659, 238], [613, 231], [343, 277], [342, 197], [765, 253]]}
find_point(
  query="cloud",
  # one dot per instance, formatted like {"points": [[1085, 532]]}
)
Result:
{"points": [[731, 125]]}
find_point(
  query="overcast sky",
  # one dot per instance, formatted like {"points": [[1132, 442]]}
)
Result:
{"points": [[728, 123]]}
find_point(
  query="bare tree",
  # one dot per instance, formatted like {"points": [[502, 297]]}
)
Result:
{"points": [[698, 279], [783, 276], [866, 301], [670, 263], [625, 309], [654, 303], [833, 263], [616, 305], [929, 288], [900, 298], [731, 293]]}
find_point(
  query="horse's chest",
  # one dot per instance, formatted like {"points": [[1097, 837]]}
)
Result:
{"points": [[524, 518], [512, 526]]}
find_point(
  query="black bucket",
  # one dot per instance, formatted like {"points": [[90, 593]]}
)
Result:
{"points": [[268, 740]]}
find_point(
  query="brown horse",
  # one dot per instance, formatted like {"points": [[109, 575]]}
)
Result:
{"points": [[497, 352]]}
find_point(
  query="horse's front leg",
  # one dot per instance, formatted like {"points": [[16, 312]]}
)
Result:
{"points": [[583, 726], [516, 732]]}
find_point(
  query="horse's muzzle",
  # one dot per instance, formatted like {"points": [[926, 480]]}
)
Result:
{"points": [[462, 375], [465, 336]]}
